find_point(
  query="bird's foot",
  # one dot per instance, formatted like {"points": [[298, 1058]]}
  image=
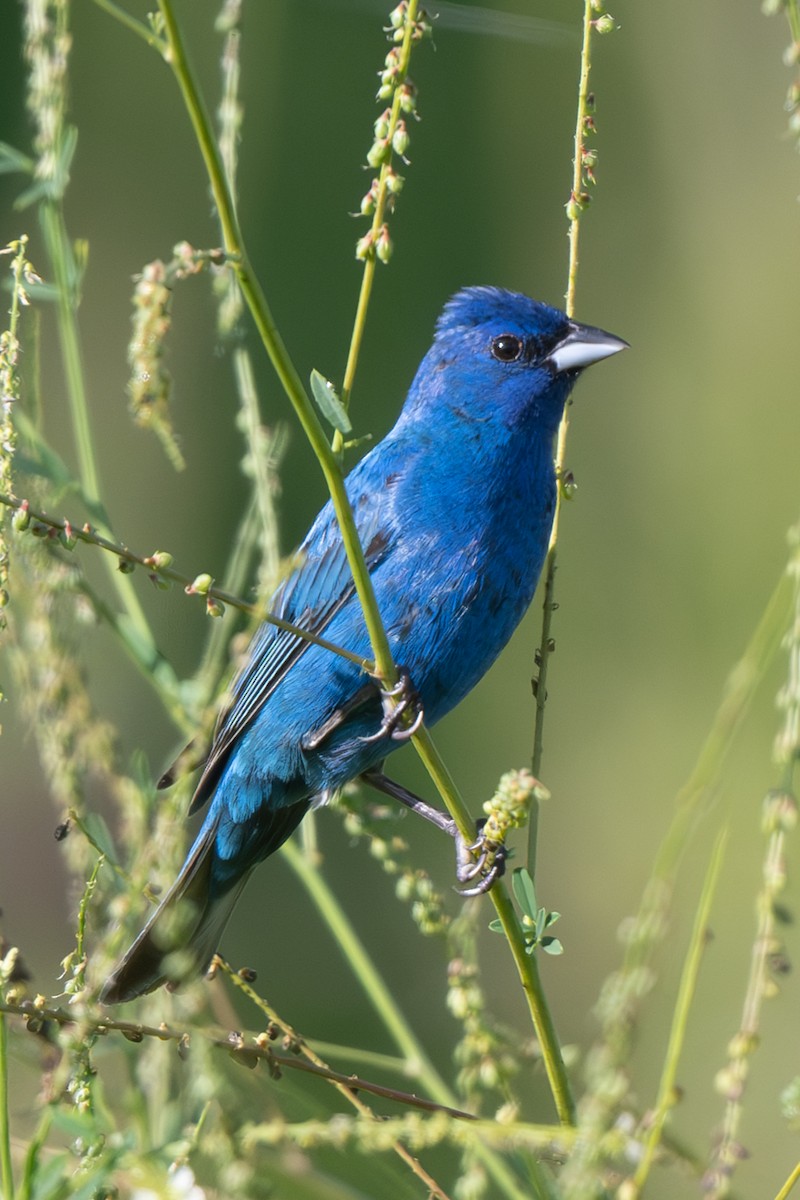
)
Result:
{"points": [[484, 860], [402, 711]]}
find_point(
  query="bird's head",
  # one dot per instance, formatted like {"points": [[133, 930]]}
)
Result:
{"points": [[502, 355]]}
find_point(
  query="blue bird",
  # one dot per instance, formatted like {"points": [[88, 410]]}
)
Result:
{"points": [[454, 509]]}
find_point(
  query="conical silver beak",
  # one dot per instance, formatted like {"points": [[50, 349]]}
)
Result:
{"points": [[582, 346]]}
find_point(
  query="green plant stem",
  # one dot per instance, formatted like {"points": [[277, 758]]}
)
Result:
{"points": [[32, 1158], [528, 969], [778, 818], [525, 963], [386, 1007], [262, 462], [368, 1058], [366, 972], [680, 1017], [697, 793], [92, 538], [599, 1104], [577, 161], [273, 343], [6, 1172], [59, 252], [140, 28], [548, 607], [345, 1089], [789, 1185], [378, 218]]}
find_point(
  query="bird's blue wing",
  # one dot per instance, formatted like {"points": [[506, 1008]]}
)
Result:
{"points": [[309, 598]]}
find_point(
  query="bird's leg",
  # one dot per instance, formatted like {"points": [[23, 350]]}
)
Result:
{"points": [[376, 779], [484, 859], [399, 702]]}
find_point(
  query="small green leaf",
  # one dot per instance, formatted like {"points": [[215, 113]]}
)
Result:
{"points": [[552, 945], [496, 926], [329, 403], [524, 891], [37, 191], [12, 160]]}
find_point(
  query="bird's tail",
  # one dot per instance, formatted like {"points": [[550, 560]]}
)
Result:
{"points": [[182, 935]]}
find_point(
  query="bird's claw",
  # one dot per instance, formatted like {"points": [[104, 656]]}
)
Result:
{"points": [[399, 702], [483, 859]]}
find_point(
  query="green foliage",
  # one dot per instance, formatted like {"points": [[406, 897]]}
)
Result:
{"points": [[535, 919]]}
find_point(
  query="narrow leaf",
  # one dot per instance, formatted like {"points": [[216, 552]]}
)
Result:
{"points": [[12, 160], [524, 891], [328, 403]]}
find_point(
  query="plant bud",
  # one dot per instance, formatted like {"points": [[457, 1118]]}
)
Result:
{"points": [[394, 182], [364, 247], [21, 518], [200, 585], [383, 246], [401, 139], [604, 24], [382, 124], [378, 152]]}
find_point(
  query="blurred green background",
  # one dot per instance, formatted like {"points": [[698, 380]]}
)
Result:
{"points": [[685, 451]]}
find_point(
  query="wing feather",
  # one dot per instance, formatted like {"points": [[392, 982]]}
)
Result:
{"points": [[309, 598]]}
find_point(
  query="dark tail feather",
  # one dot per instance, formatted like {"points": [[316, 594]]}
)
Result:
{"points": [[182, 935]]}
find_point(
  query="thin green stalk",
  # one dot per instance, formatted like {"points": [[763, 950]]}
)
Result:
{"points": [[387, 1009], [378, 219], [779, 817], [33, 1156], [528, 969], [273, 343], [365, 970], [574, 210], [262, 462], [680, 1017], [789, 1185], [366, 1058], [584, 105], [215, 660], [6, 1172], [739, 690], [345, 1089], [140, 28], [543, 663], [525, 963], [57, 242], [623, 993], [162, 569]]}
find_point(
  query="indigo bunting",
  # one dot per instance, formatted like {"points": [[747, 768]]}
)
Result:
{"points": [[454, 509]]}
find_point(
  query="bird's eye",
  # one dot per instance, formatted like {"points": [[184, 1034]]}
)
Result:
{"points": [[507, 347]]}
